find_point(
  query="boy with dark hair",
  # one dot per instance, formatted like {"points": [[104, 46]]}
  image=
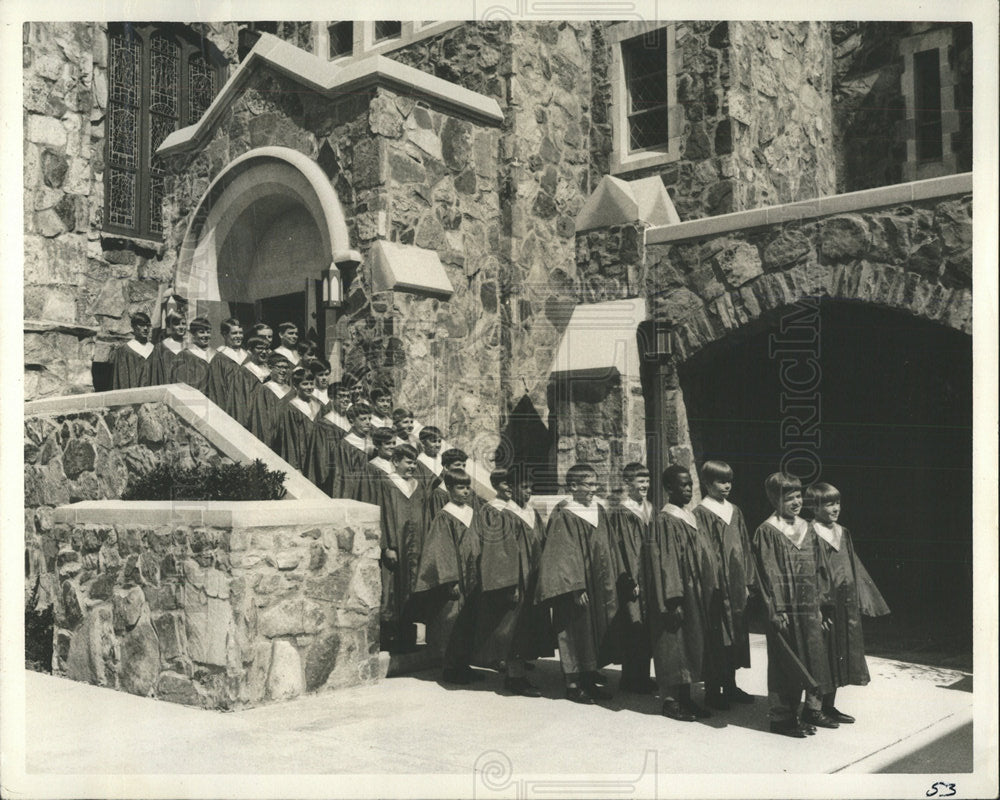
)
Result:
{"points": [[785, 550], [264, 331], [730, 646], [380, 464], [381, 403], [628, 637], [850, 593], [161, 362], [321, 375], [296, 423], [266, 400], [336, 414], [402, 424], [191, 364], [253, 374], [429, 459], [449, 572], [349, 475], [288, 335], [578, 578], [225, 387], [403, 530], [130, 365], [681, 569], [452, 458]]}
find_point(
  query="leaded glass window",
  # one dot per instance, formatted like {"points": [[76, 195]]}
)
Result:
{"points": [[160, 76], [645, 61]]}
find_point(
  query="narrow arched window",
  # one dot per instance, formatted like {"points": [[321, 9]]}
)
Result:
{"points": [[160, 77]]}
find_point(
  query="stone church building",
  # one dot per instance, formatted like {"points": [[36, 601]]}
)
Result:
{"points": [[557, 241]]}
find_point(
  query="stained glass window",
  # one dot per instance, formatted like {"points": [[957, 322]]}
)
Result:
{"points": [[160, 76]]}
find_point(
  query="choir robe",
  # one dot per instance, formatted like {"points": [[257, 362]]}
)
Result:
{"points": [[191, 367], [428, 471], [737, 575], [161, 362], [265, 404], [577, 557], [403, 523], [294, 431], [450, 556], [786, 557], [503, 567], [850, 592], [534, 637], [627, 636], [226, 386], [350, 476], [323, 398], [130, 365], [292, 355], [330, 429], [681, 569], [253, 376]]}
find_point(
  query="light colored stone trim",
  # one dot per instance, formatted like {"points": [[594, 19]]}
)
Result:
{"points": [[218, 514], [940, 39], [333, 80], [365, 45], [810, 209], [200, 413], [57, 326]]}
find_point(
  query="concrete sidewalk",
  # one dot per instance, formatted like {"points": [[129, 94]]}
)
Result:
{"points": [[412, 724]]}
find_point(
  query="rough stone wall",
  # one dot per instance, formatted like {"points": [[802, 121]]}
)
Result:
{"points": [[80, 284], [914, 256], [781, 114], [93, 455], [216, 617]]}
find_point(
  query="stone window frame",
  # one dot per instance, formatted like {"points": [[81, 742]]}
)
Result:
{"points": [[942, 40], [623, 161], [364, 37], [191, 45]]}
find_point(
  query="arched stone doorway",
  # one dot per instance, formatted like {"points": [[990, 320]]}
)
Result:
{"points": [[882, 399], [262, 243]]}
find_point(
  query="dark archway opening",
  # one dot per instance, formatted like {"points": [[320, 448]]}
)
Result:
{"points": [[895, 436]]}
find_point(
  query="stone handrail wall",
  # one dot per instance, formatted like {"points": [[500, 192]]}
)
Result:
{"points": [[220, 605]]}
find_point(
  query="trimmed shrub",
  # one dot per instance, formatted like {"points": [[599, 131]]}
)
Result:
{"points": [[208, 482]]}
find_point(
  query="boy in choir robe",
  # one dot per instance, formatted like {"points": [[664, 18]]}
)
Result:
{"points": [[296, 422], [449, 575], [786, 554], [330, 429], [191, 364], [577, 577], [161, 362], [130, 365], [321, 375], [629, 634], [380, 464], [403, 531], [402, 424], [264, 331], [429, 459], [268, 397], [225, 385], [288, 336], [850, 592], [681, 571], [452, 458], [349, 476], [507, 550], [730, 646], [381, 403], [336, 415]]}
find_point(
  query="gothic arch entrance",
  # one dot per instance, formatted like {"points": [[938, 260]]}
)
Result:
{"points": [[886, 408], [268, 236]]}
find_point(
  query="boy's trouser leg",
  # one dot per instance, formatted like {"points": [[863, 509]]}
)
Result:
{"points": [[576, 645], [784, 705], [635, 659], [515, 667], [830, 699], [458, 651]]}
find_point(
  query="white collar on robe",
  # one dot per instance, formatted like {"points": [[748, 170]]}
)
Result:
{"points": [[278, 389], [356, 441], [338, 419], [433, 464], [407, 487], [462, 513], [383, 464], [173, 345], [795, 531], [682, 514], [141, 349], [526, 515], [239, 356], [205, 355], [591, 513], [498, 504], [643, 511], [832, 535], [723, 510], [304, 407], [323, 397], [259, 372], [381, 422], [289, 354]]}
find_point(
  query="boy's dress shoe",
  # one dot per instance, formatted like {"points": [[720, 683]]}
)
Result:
{"points": [[838, 716], [737, 695], [693, 708], [819, 719], [522, 687], [788, 728], [578, 695], [596, 691], [451, 675], [599, 678], [674, 710]]}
